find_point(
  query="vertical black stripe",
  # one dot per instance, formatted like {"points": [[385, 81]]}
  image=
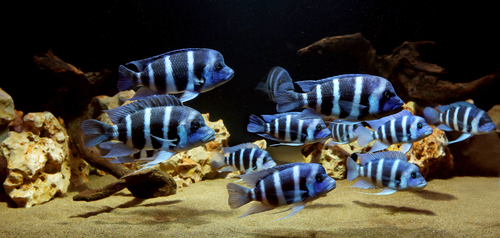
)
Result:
{"points": [[138, 129], [373, 165], [158, 67], [281, 128], [180, 70], [305, 125], [237, 159], [386, 172], [327, 98], [145, 77], [472, 114], [156, 126], [287, 184], [199, 65], [460, 117], [270, 190], [311, 99], [398, 124], [294, 129], [173, 124], [122, 131], [247, 158]]}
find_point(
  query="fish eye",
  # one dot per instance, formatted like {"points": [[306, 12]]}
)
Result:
{"points": [[195, 125], [388, 94], [419, 126], [218, 66], [319, 127], [413, 175], [319, 178]]}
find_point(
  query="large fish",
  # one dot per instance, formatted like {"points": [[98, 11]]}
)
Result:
{"points": [[296, 183], [401, 127], [246, 157], [158, 122], [462, 117], [389, 170], [191, 71], [349, 96], [288, 129], [277, 79]]}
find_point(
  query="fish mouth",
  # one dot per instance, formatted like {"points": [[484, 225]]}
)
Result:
{"points": [[422, 185], [209, 138], [230, 77], [332, 186]]}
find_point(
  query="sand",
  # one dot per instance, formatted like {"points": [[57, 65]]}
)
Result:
{"points": [[456, 207]]}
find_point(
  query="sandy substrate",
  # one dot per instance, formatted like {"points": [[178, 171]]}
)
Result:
{"points": [[457, 207]]}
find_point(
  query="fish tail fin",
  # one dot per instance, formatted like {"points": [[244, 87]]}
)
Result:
{"points": [[217, 160], [431, 115], [256, 124], [352, 169], [95, 132], [287, 100], [238, 195], [365, 135], [127, 78]]}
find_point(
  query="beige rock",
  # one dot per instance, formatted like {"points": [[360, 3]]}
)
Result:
{"points": [[6, 108], [37, 160]]}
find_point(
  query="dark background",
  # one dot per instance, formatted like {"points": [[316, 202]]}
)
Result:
{"points": [[253, 36]]}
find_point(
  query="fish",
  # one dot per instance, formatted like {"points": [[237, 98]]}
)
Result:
{"points": [[348, 96], [388, 170], [277, 79], [157, 122], [295, 183], [343, 131], [246, 157], [288, 129], [402, 127], [462, 117], [189, 71]]}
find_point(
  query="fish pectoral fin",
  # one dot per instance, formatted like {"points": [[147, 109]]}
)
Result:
{"points": [[385, 191], [227, 169], [348, 105], [163, 140], [309, 113], [188, 95], [461, 138], [295, 208], [257, 208], [364, 184]]}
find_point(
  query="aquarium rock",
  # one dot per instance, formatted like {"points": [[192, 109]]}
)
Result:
{"points": [[37, 160]]}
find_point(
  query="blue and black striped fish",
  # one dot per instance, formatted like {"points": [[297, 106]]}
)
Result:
{"points": [[288, 129], [277, 79], [462, 117], [344, 131], [401, 127], [389, 170], [158, 122], [296, 183], [247, 157], [191, 71], [349, 96]]}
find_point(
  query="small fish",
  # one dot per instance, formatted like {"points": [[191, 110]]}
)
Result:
{"points": [[247, 157], [349, 96], [278, 79], [191, 71], [389, 170], [158, 122], [462, 117], [343, 132], [288, 129], [296, 183], [401, 127]]}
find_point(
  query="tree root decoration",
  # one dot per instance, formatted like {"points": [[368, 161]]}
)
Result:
{"points": [[146, 183]]}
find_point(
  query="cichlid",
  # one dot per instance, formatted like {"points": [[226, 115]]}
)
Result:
{"points": [[192, 71], [158, 122], [349, 96], [389, 170], [277, 79], [401, 127], [247, 157], [296, 183], [288, 129], [343, 131], [462, 117]]}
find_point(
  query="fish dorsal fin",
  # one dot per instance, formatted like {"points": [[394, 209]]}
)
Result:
{"points": [[116, 114], [270, 118], [386, 155], [375, 124], [228, 150], [141, 64], [307, 85], [456, 104], [252, 179]]}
